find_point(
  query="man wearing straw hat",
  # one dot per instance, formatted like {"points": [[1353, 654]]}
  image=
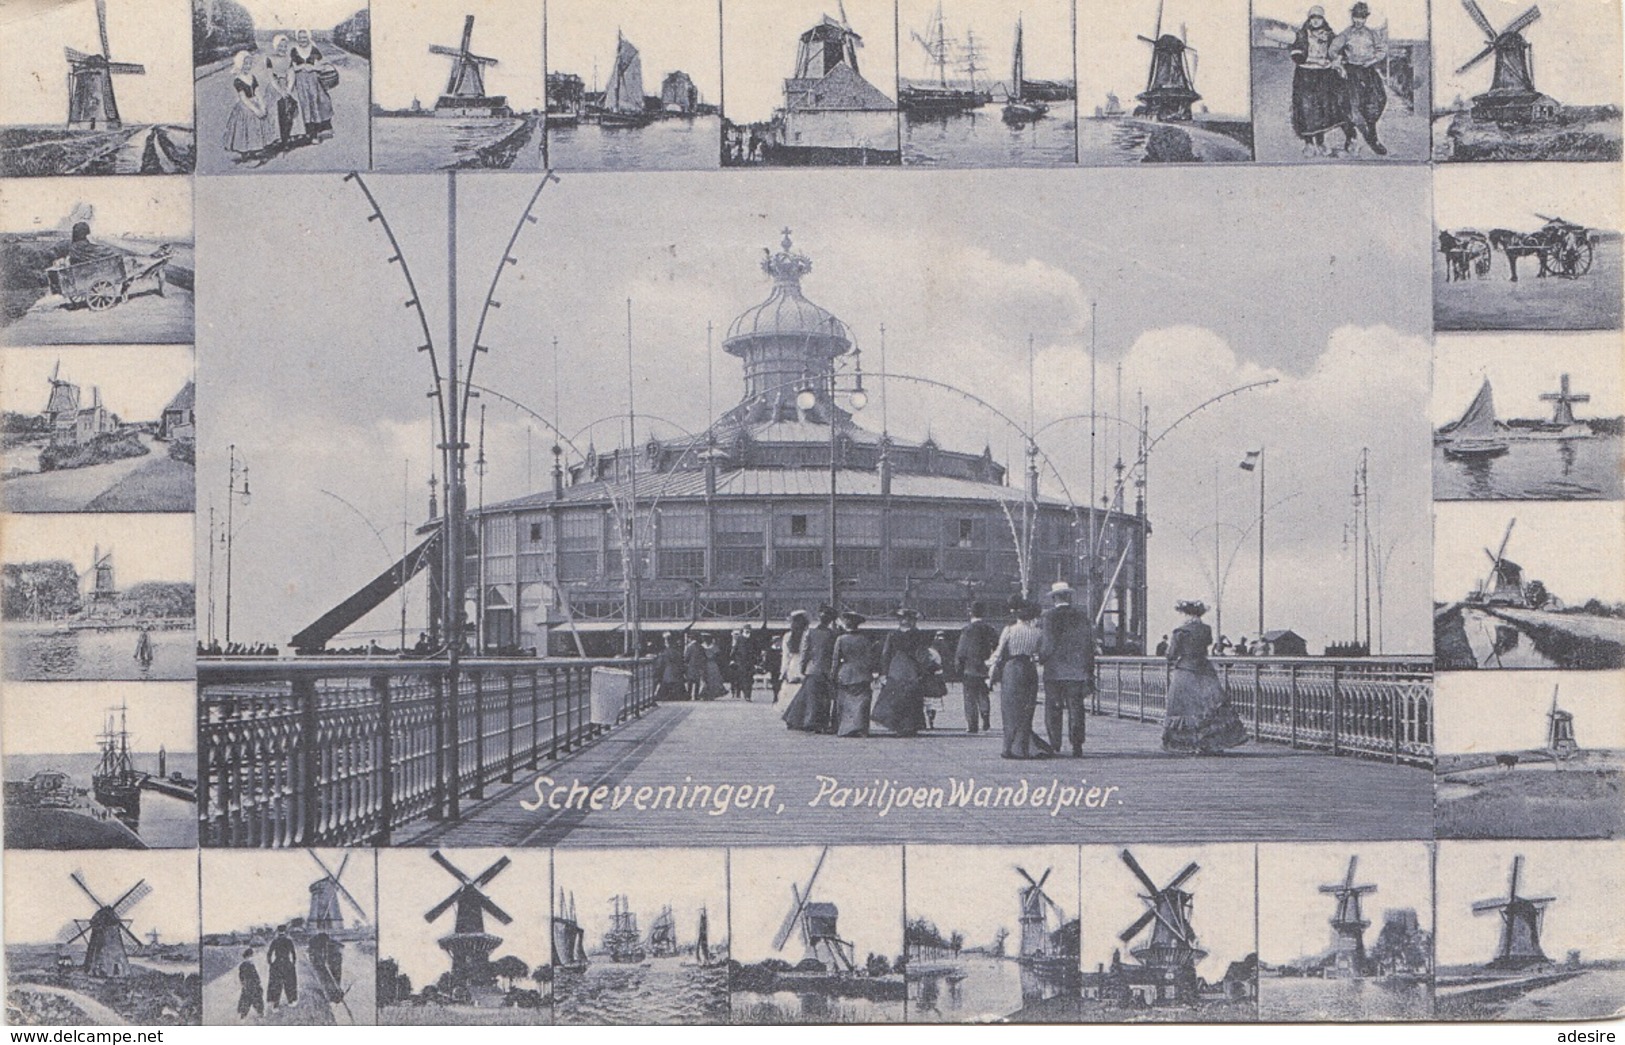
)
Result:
{"points": [[1068, 657]]}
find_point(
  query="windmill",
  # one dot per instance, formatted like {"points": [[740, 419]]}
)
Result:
{"points": [[1520, 924], [106, 929], [465, 87], [1563, 412], [1348, 923], [103, 589], [820, 937], [90, 81], [1503, 585], [1560, 742], [1168, 912], [326, 913], [1512, 95], [1036, 905], [1170, 86], [468, 944]]}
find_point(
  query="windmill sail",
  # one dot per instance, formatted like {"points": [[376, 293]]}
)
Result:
{"points": [[624, 91]]}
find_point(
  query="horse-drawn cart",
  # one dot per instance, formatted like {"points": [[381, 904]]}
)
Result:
{"points": [[100, 283], [1562, 248]]}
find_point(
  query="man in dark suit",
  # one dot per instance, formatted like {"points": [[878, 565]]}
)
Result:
{"points": [[284, 969], [976, 645], [817, 653], [1068, 656]]}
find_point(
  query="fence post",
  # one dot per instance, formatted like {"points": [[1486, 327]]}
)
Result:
{"points": [[507, 775], [1258, 694], [386, 760], [1292, 702], [454, 775], [1337, 709], [479, 735], [535, 716], [1396, 718], [553, 710], [309, 761]]}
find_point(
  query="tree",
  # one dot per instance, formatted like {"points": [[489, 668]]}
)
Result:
{"points": [[876, 965], [39, 590], [956, 942], [510, 968], [388, 971], [1535, 591]]}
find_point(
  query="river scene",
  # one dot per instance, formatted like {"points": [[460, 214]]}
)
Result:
{"points": [[1314, 998], [49, 651], [657, 990]]}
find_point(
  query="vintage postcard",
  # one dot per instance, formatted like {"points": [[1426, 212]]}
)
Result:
{"points": [[1153, 552]]}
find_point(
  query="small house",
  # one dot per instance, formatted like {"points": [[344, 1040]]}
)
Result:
{"points": [[1285, 643], [179, 419]]}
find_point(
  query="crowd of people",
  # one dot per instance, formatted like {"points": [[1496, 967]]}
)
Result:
{"points": [[836, 678], [280, 99], [1338, 85]]}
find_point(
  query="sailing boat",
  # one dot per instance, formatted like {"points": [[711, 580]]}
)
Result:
{"points": [[943, 99], [663, 934], [623, 104], [1021, 109], [569, 952], [115, 782], [702, 945], [622, 940], [1476, 436]]}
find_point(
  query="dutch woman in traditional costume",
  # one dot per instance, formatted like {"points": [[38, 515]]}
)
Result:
{"points": [[906, 664], [279, 99], [1015, 665], [853, 667], [1319, 92], [315, 104], [248, 126], [1199, 720]]}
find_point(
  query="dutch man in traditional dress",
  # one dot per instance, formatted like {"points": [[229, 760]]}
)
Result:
{"points": [[1319, 92], [1199, 719], [1362, 51]]}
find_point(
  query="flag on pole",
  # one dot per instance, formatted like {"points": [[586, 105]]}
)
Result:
{"points": [[1249, 462]]}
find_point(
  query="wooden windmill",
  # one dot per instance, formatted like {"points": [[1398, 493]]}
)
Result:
{"points": [[468, 944], [1563, 411], [1512, 95], [1170, 89], [91, 104], [106, 930], [1560, 742], [1521, 917], [1036, 905], [1168, 913], [1503, 586], [1348, 923], [326, 912], [465, 87], [816, 922]]}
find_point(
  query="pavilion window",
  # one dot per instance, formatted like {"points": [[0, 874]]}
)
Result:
{"points": [[798, 558], [914, 560], [682, 563]]}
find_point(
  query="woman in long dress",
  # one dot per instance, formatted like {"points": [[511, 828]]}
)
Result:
{"points": [[1199, 719], [280, 102], [811, 706], [1015, 665], [315, 104], [854, 670], [248, 127], [905, 664], [792, 644], [712, 687], [1320, 100]]}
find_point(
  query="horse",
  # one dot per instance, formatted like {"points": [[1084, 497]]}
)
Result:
{"points": [[1463, 254], [1517, 245]]}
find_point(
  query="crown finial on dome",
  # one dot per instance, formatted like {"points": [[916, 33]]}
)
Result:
{"points": [[787, 267], [786, 241]]}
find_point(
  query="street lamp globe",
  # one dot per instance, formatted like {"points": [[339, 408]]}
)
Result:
{"points": [[806, 399], [860, 399]]}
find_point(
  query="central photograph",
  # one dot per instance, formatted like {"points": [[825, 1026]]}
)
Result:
{"points": [[627, 510]]}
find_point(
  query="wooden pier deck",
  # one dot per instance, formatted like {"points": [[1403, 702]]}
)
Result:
{"points": [[1256, 792]]}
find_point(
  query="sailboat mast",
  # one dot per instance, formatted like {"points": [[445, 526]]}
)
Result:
{"points": [[1018, 70]]}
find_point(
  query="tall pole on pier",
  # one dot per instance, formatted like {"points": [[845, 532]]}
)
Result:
{"points": [[630, 556], [1261, 544], [456, 492], [1365, 512], [232, 493]]}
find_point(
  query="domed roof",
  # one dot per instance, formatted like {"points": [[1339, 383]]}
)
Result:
{"points": [[786, 311]]}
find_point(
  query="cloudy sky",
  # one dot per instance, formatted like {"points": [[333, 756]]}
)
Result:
{"points": [[687, 879], [1046, 38], [410, 884], [1195, 295], [1575, 44], [40, 899], [151, 207], [145, 547], [1514, 195], [759, 41], [864, 882], [1573, 547], [1585, 877], [34, 74], [1112, 58], [937, 878], [56, 718], [1521, 367], [241, 888], [672, 35], [1293, 914], [403, 31], [1221, 908], [1520, 702], [137, 381]]}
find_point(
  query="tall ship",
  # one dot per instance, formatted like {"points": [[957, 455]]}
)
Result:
{"points": [[623, 941], [116, 782], [663, 934], [569, 947], [944, 98]]}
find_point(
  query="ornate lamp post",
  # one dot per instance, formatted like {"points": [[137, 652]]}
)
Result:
{"points": [[807, 400]]}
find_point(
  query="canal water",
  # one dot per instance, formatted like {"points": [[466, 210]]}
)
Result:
{"points": [[1120, 142], [44, 652], [664, 145], [981, 138], [658, 990], [812, 1007], [1497, 644], [428, 143], [1342, 1000], [166, 823], [977, 988], [1537, 469]]}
